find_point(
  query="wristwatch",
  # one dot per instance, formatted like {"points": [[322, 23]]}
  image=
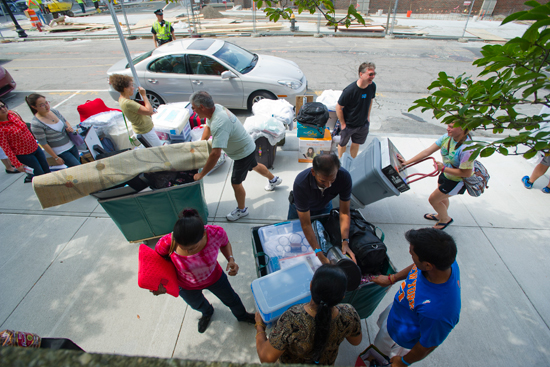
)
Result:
{"points": [[345, 239]]}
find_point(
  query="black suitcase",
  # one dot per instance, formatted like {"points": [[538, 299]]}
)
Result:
{"points": [[265, 152]]}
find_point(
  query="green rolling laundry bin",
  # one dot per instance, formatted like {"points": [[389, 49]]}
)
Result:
{"points": [[153, 213]]}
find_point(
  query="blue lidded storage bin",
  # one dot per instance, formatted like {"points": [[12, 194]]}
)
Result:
{"points": [[277, 292]]}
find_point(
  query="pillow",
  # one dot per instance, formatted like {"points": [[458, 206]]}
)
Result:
{"points": [[154, 270], [91, 108]]}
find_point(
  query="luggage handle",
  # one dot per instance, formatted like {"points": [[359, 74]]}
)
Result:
{"points": [[435, 173]]}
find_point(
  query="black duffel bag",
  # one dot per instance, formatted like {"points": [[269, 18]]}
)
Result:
{"points": [[313, 114], [370, 251]]}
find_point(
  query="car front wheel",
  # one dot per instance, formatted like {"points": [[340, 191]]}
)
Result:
{"points": [[154, 99], [258, 96]]}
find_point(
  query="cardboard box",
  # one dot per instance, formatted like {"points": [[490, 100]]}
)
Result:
{"points": [[332, 118], [310, 147], [310, 132], [390, 165], [302, 100]]}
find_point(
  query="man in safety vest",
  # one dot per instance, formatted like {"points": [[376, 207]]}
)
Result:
{"points": [[37, 6], [162, 30], [82, 6], [96, 4]]}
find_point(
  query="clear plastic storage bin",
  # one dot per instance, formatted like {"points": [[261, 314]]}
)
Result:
{"points": [[277, 292]]}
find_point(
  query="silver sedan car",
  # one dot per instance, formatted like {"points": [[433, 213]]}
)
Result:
{"points": [[233, 76]]}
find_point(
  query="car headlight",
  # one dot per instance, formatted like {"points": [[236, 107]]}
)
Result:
{"points": [[292, 84]]}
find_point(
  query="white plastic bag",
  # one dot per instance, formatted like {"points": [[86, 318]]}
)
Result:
{"points": [[329, 98], [196, 133], [278, 108], [104, 121], [269, 127]]}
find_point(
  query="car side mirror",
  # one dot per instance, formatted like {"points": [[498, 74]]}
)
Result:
{"points": [[228, 75]]}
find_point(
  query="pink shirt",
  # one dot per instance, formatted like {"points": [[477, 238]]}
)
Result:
{"points": [[200, 270]]}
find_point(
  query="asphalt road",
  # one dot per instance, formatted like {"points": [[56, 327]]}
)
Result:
{"points": [[69, 73]]}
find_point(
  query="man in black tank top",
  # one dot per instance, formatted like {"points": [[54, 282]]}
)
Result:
{"points": [[354, 107]]}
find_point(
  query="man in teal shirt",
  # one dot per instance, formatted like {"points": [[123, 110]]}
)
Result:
{"points": [[229, 134]]}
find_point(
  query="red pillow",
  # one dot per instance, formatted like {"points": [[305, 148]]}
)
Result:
{"points": [[154, 270], [91, 108]]}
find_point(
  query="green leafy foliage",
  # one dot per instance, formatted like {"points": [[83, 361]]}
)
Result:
{"points": [[513, 74], [275, 11]]}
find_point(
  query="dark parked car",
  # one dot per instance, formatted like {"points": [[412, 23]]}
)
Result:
{"points": [[7, 84]]}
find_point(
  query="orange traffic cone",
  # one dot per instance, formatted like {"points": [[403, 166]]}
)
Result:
{"points": [[34, 19]]}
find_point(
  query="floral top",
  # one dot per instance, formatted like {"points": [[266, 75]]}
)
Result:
{"points": [[295, 329], [199, 270], [16, 139]]}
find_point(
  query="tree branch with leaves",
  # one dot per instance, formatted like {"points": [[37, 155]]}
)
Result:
{"points": [[514, 74], [274, 11]]}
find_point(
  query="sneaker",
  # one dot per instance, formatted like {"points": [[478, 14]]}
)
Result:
{"points": [[271, 185], [204, 321], [237, 214], [526, 183], [249, 319], [546, 190]]}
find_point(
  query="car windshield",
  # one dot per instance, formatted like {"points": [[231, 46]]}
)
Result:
{"points": [[238, 58], [140, 58]]}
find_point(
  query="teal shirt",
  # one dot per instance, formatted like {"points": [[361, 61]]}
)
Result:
{"points": [[229, 134]]}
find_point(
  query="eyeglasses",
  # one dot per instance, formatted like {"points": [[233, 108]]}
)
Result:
{"points": [[372, 74]]}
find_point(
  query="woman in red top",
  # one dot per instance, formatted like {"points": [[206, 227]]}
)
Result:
{"points": [[19, 144], [193, 249]]}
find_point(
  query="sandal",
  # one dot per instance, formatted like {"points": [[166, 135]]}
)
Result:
{"points": [[444, 225], [429, 216]]}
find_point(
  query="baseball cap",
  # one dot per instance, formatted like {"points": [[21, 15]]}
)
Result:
{"points": [[158, 12]]}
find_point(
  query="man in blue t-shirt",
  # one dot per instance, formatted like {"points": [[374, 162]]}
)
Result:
{"points": [[312, 194], [427, 306], [353, 109]]}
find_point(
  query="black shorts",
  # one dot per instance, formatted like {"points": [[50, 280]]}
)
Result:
{"points": [[358, 135], [241, 168], [450, 187]]}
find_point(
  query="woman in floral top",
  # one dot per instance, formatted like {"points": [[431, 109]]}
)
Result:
{"points": [[311, 333], [456, 165], [193, 249], [19, 145]]}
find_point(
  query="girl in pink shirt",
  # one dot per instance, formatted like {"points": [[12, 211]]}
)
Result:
{"points": [[193, 249]]}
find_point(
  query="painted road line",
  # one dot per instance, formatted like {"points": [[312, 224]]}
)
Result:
{"points": [[65, 100], [82, 91], [60, 67]]}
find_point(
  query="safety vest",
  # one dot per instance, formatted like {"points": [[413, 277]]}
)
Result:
{"points": [[163, 32], [33, 5], [79, 1], [95, 1]]}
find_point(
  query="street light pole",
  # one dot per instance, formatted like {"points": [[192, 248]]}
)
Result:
{"points": [[470, 12], [394, 15], [18, 28], [122, 41]]}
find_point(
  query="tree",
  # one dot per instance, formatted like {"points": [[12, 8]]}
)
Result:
{"points": [[275, 10], [514, 74]]}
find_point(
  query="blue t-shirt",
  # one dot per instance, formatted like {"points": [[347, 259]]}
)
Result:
{"points": [[423, 311], [454, 157], [308, 196]]}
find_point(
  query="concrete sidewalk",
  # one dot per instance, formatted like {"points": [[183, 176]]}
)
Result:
{"points": [[69, 272], [447, 27]]}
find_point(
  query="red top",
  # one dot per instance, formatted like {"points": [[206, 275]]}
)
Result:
{"points": [[16, 139]]}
